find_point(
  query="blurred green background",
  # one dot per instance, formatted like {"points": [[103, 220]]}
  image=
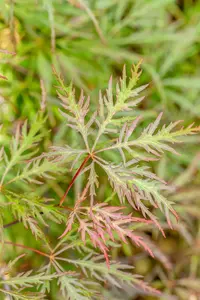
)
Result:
{"points": [[87, 41]]}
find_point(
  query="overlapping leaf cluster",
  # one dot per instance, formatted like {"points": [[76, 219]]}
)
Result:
{"points": [[100, 225], [87, 41]]}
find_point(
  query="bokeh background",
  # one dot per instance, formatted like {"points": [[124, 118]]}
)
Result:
{"points": [[87, 42]]}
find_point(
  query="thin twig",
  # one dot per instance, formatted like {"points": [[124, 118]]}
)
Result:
{"points": [[11, 223], [27, 248], [74, 178]]}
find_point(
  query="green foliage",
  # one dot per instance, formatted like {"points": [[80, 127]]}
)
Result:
{"points": [[118, 173], [98, 223]]}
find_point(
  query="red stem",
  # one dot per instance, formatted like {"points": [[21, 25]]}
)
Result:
{"points": [[74, 178], [27, 248]]}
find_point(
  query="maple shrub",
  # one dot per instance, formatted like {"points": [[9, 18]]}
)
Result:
{"points": [[107, 146]]}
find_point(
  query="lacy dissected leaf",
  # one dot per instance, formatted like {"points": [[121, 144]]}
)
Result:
{"points": [[23, 295], [109, 144], [110, 105], [72, 288], [22, 145], [35, 170], [63, 155], [28, 280], [75, 111], [31, 210], [115, 275], [23, 281], [136, 184], [129, 179], [101, 223], [151, 140]]}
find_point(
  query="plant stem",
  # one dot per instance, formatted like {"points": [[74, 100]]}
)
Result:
{"points": [[27, 248], [11, 223], [74, 178]]}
